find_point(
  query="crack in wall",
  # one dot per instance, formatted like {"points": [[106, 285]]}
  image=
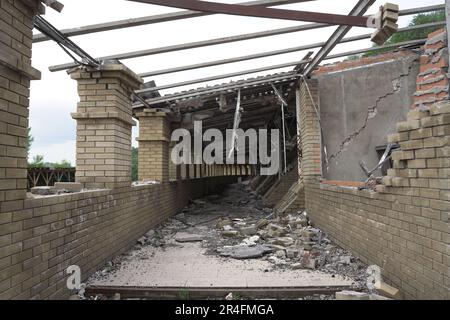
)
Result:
{"points": [[373, 111]]}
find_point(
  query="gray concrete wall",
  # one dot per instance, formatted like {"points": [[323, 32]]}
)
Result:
{"points": [[359, 107]]}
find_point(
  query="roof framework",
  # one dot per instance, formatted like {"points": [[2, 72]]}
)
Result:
{"points": [[256, 88]]}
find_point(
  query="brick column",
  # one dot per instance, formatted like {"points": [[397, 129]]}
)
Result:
{"points": [[104, 122], [16, 24], [154, 138], [311, 164]]}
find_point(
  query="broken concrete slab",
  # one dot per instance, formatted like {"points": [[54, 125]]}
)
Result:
{"points": [[249, 230], [68, 187], [43, 191], [283, 241], [352, 295], [251, 241], [244, 252], [223, 223], [291, 253], [388, 291], [230, 233], [186, 237], [262, 223]]}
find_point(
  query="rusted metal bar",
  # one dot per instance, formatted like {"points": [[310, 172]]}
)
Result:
{"points": [[253, 11], [135, 22], [224, 40], [208, 292]]}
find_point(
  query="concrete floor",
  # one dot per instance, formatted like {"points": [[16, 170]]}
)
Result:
{"points": [[186, 265]]}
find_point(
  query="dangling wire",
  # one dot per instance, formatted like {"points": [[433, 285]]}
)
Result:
{"points": [[283, 104], [237, 121]]}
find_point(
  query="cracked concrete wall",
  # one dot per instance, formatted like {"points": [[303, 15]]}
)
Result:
{"points": [[359, 107]]}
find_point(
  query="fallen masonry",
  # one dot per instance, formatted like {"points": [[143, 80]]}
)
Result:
{"points": [[235, 234]]}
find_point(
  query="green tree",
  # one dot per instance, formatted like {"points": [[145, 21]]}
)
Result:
{"points": [[134, 164], [30, 140], [399, 37], [38, 162], [64, 164]]}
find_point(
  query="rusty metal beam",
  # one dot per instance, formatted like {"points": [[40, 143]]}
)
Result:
{"points": [[135, 22], [261, 12], [224, 40]]}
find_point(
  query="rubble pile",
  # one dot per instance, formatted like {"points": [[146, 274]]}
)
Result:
{"points": [[237, 225]]}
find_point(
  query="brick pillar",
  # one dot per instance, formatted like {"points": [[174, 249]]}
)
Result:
{"points": [[311, 164], [16, 25], [154, 138], [104, 122]]}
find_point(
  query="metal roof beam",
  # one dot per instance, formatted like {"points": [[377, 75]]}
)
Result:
{"points": [[224, 88], [135, 22], [256, 81], [270, 13], [224, 40], [223, 76], [275, 52]]}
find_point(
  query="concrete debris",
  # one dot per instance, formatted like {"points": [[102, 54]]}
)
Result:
{"points": [[230, 233], [43, 191], [144, 183], [244, 252], [186, 237], [249, 230], [388, 291], [229, 296], [252, 241], [68, 187], [352, 295]]}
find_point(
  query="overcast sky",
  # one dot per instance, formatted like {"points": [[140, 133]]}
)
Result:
{"points": [[55, 96]]}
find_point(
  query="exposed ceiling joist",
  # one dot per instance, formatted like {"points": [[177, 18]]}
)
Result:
{"points": [[233, 86], [261, 12], [231, 39], [135, 22], [275, 52], [223, 76]]}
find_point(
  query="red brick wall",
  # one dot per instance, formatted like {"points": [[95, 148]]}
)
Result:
{"points": [[432, 82]]}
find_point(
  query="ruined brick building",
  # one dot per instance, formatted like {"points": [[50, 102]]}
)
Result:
{"points": [[342, 117]]}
